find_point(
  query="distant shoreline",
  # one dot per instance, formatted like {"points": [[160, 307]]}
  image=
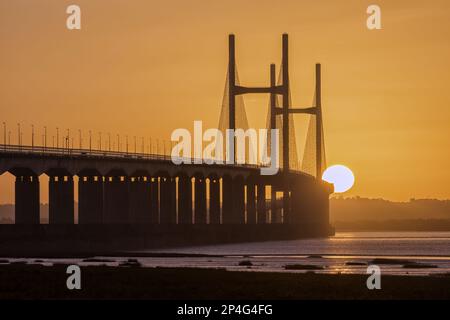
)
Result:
{"points": [[413, 225]]}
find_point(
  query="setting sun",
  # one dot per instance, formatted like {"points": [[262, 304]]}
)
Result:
{"points": [[340, 176]]}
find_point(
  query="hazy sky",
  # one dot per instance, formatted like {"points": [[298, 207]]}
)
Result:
{"points": [[147, 67]]}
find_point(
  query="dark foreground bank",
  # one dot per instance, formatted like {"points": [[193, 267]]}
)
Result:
{"points": [[20, 281]]}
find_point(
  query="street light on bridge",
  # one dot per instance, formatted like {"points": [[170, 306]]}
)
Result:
{"points": [[68, 139], [18, 134], [4, 134], [32, 136]]}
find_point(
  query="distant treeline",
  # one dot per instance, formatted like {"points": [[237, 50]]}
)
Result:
{"points": [[378, 214], [352, 214], [352, 209], [394, 225]]}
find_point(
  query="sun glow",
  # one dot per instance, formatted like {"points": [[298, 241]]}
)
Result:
{"points": [[340, 176]]}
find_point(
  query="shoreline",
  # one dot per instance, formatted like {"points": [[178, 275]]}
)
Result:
{"points": [[139, 254], [21, 281]]}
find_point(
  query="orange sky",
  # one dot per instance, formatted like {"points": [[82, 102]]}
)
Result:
{"points": [[147, 67]]}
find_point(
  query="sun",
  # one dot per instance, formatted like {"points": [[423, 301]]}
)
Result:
{"points": [[340, 176]]}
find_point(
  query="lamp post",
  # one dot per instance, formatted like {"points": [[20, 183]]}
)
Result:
{"points": [[4, 135], [57, 137], [32, 136], [68, 139], [109, 142], [79, 137], [45, 137], [18, 134], [118, 143], [90, 141]]}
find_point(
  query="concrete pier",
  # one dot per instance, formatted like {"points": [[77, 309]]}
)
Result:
{"points": [[227, 200], [61, 199], [251, 203], [261, 203], [116, 195], [167, 194], [154, 200], [214, 201], [275, 214], [184, 200], [140, 197], [200, 200], [27, 199], [238, 201], [90, 199]]}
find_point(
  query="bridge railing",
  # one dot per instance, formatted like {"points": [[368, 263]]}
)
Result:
{"points": [[79, 152], [94, 153]]}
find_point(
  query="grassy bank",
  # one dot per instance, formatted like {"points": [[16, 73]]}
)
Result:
{"points": [[39, 282]]}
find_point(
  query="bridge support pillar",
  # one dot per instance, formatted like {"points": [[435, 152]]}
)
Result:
{"points": [[140, 196], [238, 201], [27, 199], [168, 200], [251, 203], [288, 213], [61, 199], [227, 200], [261, 203], [275, 216], [154, 200], [310, 204], [90, 199], [214, 201], [200, 200], [116, 206], [173, 201], [184, 200]]}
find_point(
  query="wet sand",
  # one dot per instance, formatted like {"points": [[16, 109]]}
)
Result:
{"points": [[23, 281]]}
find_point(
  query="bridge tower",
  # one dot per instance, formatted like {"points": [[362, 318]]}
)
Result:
{"points": [[283, 90]]}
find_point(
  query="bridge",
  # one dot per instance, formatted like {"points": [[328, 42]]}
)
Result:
{"points": [[148, 191]]}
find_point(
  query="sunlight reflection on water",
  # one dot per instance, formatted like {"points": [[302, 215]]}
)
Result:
{"points": [[348, 252]]}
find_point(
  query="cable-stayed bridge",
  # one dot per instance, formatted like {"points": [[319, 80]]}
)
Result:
{"points": [[146, 191]]}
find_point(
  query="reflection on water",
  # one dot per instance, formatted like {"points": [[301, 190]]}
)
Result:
{"points": [[347, 252], [345, 243]]}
